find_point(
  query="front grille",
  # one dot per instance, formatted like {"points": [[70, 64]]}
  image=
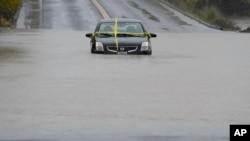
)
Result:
{"points": [[122, 48]]}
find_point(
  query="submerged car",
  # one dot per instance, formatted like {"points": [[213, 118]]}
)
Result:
{"points": [[121, 36]]}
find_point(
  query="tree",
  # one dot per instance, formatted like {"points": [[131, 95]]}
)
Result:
{"points": [[232, 6], [201, 4]]}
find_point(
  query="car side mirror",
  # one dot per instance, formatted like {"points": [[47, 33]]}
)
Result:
{"points": [[152, 35], [89, 35]]}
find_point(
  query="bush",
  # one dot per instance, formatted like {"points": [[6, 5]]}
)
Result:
{"points": [[10, 5], [190, 3], [212, 11], [8, 9], [237, 7], [211, 14]]}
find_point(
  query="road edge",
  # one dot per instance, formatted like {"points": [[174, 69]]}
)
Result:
{"points": [[100, 9], [189, 15]]}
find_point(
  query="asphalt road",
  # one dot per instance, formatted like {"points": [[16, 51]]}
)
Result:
{"points": [[58, 14], [83, 15], [155, 14], [52, 88]]}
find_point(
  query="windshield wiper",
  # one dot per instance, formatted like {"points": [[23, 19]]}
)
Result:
{"points": [[105, 34], [129, 35]]}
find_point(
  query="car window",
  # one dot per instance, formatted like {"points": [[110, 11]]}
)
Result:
{"points": [[106, 27], [123, 27]]}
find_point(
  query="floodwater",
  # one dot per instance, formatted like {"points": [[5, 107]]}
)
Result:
{"points": [[196, 83], [192, 88]]}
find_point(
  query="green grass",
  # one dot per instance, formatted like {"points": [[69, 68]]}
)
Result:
{"points": [[212, 15], [209, 14], [8, 9]]}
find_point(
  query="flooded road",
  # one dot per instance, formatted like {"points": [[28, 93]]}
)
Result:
{"points": [[51, 86], [196, 83]]}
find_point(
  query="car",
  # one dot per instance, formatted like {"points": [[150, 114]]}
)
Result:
{"points": [[120, 36]]}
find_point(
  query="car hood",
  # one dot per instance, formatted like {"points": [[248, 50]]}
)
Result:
{"points": [[121, 40]]}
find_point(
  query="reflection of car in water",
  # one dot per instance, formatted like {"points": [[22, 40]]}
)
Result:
{"points": [[120, 36]]}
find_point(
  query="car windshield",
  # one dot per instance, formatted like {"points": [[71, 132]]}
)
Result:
{"points": [[121, 29]]}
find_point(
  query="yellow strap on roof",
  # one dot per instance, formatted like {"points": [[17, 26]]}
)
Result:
{"points": [[115, 32]]}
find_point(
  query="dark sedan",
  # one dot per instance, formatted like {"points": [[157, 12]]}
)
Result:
{"points": [[120, 36]]}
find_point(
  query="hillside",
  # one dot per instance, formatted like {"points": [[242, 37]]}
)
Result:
{"points": [[217, 12], [8, 9]]}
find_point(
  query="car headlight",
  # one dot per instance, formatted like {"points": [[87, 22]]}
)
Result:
{"points": [[99, 46], [145, 46]]}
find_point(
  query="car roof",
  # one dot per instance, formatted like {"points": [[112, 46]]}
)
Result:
{"points": [[119, 20]]}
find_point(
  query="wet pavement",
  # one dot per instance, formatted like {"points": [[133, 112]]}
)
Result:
{"points": [[29, 14], [83, 15], [155, 14], [58, 14]]}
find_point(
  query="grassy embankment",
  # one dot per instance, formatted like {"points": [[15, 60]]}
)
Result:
{"points": [[214, 13], [8, 9]]}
